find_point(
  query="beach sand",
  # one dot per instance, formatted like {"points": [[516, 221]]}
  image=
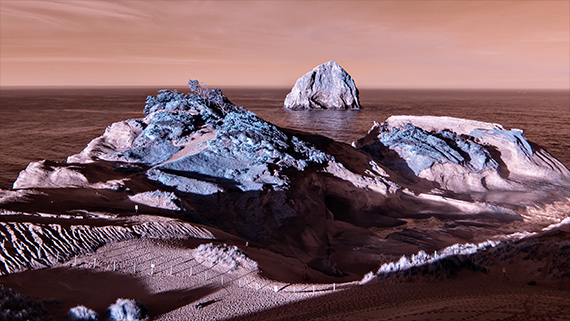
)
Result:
{"points": [[181, 280]]}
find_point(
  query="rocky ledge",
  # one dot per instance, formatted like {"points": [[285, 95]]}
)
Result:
{"points": [[464, 156], [413, 183], [327, 86]]}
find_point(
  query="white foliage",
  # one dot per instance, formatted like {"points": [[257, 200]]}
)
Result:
{"points": [[127, 310], [423, 258], [82, 313], [158, 199], [367, 278], [230, 257]]}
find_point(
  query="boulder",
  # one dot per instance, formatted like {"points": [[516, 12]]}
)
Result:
{"points": [[328, 86]]}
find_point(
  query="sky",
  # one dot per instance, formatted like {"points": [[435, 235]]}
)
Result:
{"points": [[382, 44]]}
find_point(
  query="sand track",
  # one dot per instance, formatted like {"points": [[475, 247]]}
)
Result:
{"points": [[468, 297]]}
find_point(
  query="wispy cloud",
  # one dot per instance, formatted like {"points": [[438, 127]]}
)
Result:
{"points": [[113, 60], [8, 11], [276, 41], [50, 11], [487, 52], [549, 37]]}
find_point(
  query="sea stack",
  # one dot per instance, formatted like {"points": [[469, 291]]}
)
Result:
{"points": [[327, 86]]}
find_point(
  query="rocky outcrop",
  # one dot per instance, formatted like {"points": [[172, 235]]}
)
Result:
{"points": [[198, 157], [465, 156], [328, 86]]}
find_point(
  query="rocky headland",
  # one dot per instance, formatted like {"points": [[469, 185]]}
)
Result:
{"points": [[200, 158], [199, 168]]}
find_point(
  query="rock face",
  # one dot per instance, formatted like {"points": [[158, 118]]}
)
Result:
{"points": [[328, 86], [464, 156], [200, 158]]}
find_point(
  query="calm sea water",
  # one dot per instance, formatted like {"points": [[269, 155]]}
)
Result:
{"points": [[54, 123]]}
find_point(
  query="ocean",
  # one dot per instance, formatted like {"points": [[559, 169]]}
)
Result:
{"points": [[53, 123]]}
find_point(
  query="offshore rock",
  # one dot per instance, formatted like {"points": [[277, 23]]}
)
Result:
{"points": [[328, 86]]}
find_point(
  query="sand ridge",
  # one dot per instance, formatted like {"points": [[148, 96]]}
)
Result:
{"points": [[28, 245], [177, 284]]}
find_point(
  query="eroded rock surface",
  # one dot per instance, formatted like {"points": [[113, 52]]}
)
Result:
{"points": [[465, 156], [327, 86]]}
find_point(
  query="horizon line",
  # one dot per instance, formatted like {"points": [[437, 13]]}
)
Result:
{"points": [[264, 87]]}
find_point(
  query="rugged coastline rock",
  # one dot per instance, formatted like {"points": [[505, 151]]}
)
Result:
{"points": [[466, 156], [327, 86], [199, 158]]}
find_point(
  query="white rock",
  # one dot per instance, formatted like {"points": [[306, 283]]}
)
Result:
{"points": [[328, 86], [463, 155]]}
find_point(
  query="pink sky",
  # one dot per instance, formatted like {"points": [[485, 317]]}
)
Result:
{"points": [[382, 44]]}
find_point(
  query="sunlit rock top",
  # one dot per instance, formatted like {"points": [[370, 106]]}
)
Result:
{"points": [[463, 155]]}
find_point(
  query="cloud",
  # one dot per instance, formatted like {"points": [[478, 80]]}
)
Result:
{"points": [[112, 60], [561, 37], [52, 11], [390, 39]]}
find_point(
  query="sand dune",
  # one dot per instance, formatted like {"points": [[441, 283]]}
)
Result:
{"points": [[28, 246]]}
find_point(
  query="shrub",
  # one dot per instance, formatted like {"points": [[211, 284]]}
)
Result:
{"points": [[230, 257], [367, 278], [127, 310], [15, 307], [81, 313]]}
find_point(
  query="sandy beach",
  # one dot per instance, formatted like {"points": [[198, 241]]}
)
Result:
{"points": [[176, 283]]}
